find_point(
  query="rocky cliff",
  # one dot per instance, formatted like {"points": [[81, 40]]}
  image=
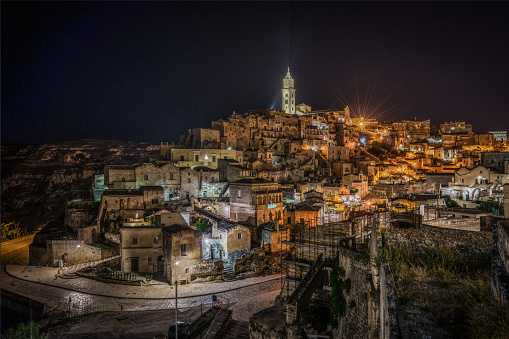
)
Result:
{"points": [[37, 180]]}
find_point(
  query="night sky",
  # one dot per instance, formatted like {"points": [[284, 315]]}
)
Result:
{"points": [[149, 71]]}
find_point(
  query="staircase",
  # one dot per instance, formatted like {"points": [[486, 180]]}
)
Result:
{"points": [[229, 274], [70, 271]]}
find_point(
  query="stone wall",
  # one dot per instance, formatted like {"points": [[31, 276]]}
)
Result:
{"points": [[355, 324], [81, 214], [89, 234], [500, 261], [71, 252], [388, 325], [469, 244]]}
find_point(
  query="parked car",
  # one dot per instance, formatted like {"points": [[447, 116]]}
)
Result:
{"points": [[181, 326]]}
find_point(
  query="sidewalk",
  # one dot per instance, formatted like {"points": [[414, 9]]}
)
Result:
{"points": [[158, 290]]}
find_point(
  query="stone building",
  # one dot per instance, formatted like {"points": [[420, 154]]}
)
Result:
{"points": [[119, 176], [496, 160], [227, 242], [200, 138], [140, 247], [257, 198], [455, 127], [273, 234], [182, 253], [125, 203], [201, 182], [309, 212], [164, 174], [56, 245], [185, 157], [232, 170]]}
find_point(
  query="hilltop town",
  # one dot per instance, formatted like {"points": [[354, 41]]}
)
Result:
{"points": [[322, 197]]}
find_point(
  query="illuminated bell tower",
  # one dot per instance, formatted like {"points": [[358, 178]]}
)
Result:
{"points": [[288, 98]]}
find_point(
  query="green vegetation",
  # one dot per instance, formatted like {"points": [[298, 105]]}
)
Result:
{"points": [[340, 289], [492, 206], [30, 330], [449, 202], [112, 226], [201, 224], [454, 291], [11, 230]]}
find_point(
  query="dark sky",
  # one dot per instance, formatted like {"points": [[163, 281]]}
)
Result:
{"points": [[148, 71]]}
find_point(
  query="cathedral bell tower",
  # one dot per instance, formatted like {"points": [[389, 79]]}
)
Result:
{"points": [[288, 98]]}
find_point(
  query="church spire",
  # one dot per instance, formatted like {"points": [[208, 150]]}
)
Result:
{"points": [[288, 76]]}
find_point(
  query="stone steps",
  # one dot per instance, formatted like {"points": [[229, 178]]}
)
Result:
{"points": [[229, 274]]}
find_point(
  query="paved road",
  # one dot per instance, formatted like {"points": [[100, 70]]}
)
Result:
{"points": [[15, 252]]}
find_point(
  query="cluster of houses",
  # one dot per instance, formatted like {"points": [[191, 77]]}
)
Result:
{"points": [[255, 175]]}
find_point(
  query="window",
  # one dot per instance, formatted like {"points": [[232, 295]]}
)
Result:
{"points": [[145, 177], [196, 157], [171, 176], [155, 201], [181, 158], [480, 172], [123, 179], [189, 180], [213, 158], [286, 101], [212, 179], [239, 194], [183, 249], [134, 241], [156, 240], [239, 236], [225, 157]]}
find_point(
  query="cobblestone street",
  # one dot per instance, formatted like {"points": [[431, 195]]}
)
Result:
{"points": [[82, 296]]}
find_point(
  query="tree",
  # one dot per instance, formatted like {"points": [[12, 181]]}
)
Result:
{"points": [[11, 231], [202, 224], [449, 202], [23, 331], [492, 206]]}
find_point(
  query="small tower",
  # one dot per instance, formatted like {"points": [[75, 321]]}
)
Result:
{"points": [[288, 98]]}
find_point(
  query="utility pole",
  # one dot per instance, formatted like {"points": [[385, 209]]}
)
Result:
{"points": [[176, 310]]}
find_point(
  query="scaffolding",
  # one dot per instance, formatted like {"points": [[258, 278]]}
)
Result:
{"points": [[325, 239]]}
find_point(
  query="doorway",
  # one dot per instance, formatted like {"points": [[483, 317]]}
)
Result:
{"points": [[135, 264]]}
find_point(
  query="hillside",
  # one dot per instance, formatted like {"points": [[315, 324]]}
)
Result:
{"points": [[37, 180]]}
